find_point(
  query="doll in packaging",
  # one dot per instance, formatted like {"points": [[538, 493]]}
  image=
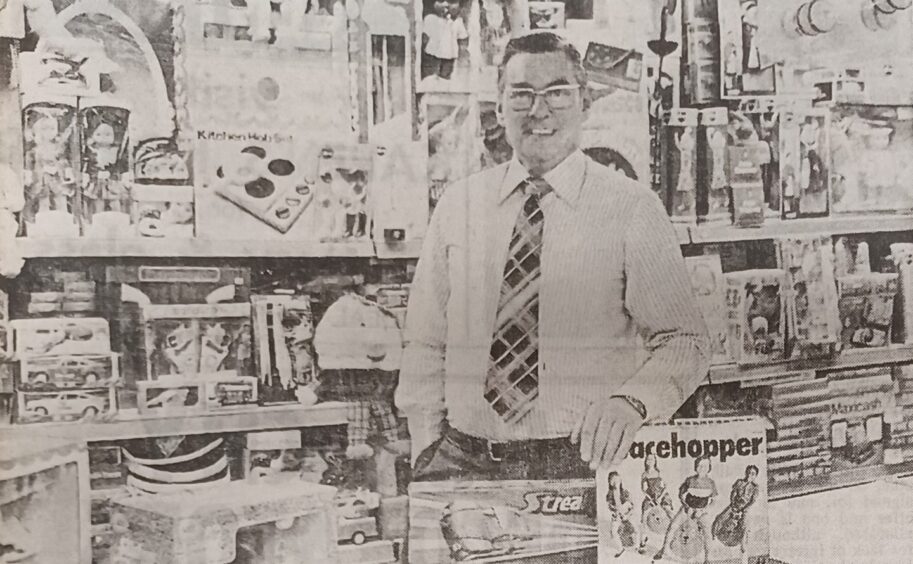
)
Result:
{"points": [[106, 169], [49, 172]]}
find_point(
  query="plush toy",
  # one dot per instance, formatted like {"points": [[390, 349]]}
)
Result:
{"points": [[358, 346]]}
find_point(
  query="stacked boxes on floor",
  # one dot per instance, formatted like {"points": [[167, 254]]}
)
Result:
{"points": [[901, 436], [801, 412]]}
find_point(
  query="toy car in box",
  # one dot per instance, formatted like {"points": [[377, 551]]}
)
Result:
{"points": [[63, 335], [516, 520], [64, 405], [68, 372]]}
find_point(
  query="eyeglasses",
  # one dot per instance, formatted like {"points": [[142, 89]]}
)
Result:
{"points": [[556, 97]]}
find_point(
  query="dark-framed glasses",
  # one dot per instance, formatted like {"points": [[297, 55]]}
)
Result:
{"points": [[556, 97]]}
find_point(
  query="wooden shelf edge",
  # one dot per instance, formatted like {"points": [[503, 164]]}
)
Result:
{"points": [[193, 248], [831, 225], [228, 421], [897, 354]]}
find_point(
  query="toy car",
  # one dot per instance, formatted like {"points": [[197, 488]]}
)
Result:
{"points": [[474, 531], [80, 404], [68, 372]]}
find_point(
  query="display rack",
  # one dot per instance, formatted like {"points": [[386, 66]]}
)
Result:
{"points": [[765, 374], [833, 225], [130, 425], [824, 482], [189, 248]]}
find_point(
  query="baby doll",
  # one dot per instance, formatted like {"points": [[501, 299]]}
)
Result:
{"points": [[104, 184], [442, 31], [685, 142], [48, 174]]}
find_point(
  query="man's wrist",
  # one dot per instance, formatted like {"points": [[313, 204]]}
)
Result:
{"points": [[638, 405]]}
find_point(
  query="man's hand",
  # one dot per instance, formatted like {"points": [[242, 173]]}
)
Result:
{"points": [[606, 431]]}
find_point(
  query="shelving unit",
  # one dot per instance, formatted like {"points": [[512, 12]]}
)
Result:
{"points": [[189, 248], [766, 374], [130, 425], [832, 225], [840, 479]]}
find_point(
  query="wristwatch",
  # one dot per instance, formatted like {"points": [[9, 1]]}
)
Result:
{"points": [[636, 404]]}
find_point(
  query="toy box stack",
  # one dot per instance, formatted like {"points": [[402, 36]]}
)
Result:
{"points": [[901, 435], [66, 369], [800, 412]]}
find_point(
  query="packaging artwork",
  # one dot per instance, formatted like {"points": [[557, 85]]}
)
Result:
{"points": [[51, 167], [902, 254], [546, 15], [804, 163], [106, 169], [512, 520], [613, 66], [256, 523], [745, 69], [344, 177], [756, 123], [65, 405], [171, 396], [689, 490], [746, 180], [284, 346], [162, 211], [62, 335], [68, 371], [709, 289], [195, 339], [859, 402], [713, 201], [399, 192], [866, 305], [756, 315], [680, 168], [811, 304], [227, 391], [869, 145], [700, 52]]}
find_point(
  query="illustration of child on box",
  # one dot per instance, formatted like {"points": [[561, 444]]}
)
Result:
{"points": [[443, 31], [693, 522], [620, 507]]}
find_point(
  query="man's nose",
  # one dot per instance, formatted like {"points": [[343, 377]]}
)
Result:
{"points": [[539, 107]]}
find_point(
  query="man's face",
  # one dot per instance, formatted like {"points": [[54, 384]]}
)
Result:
{"points": [[542, 136]]}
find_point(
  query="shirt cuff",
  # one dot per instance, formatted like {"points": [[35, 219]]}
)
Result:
{"points": [[424, 429]]}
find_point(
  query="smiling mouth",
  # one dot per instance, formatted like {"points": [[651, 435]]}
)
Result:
{"points": [[542, 131]]}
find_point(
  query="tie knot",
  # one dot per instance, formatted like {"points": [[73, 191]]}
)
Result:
{"points": [[536, 186]]}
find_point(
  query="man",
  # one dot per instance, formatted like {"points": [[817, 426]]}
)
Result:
{"points": [[536, 276]]}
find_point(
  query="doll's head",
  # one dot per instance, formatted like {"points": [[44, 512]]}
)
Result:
{"points": [[441, 8], [45, 131], [453, 8], [103, 136]]}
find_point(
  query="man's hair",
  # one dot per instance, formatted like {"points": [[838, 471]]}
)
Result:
{"points": [[542, 42]]}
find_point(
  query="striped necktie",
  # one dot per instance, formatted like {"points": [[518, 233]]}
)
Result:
{"points": [[512, 381]]}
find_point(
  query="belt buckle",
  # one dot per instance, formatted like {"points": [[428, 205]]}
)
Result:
{"points": [[491, 452]]}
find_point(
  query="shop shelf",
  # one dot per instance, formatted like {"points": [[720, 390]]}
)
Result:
{"points": [[131, 425], [833, 225], [841, 479], [762, 374], [192, 248]]}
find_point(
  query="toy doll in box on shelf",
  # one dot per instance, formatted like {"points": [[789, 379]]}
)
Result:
{"points": [[284, 348], [106, 167], [50, 135], [344, 173], [358, 346]]}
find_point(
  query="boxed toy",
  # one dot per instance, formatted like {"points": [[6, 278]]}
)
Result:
{"points": [[284, 354], [512, 520], [65, 405], [811, 303], [756, 315], [679, 149], [689, 490], [709, 288], [194, 339], [171, 396], [68, 371], [104, 193], [226, 390], [869, 145], [613, 66], [291, 522], [61, 335], [700, 67], [399, 199], [805, 163], [902, 254], [866, 304], [860, 402], [746, 179], [713, 200], [163, 211]]}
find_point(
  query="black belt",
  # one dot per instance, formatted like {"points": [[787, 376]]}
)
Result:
{"points": [[510, 450]]}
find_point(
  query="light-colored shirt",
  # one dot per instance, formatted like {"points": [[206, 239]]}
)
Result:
{"points": [[616, 312], [443, 36]]}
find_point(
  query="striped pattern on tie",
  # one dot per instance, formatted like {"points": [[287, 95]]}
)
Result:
{"points": [[512, 381]]}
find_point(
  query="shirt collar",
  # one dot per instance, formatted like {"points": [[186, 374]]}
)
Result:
{"points": [[566, 179]]}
